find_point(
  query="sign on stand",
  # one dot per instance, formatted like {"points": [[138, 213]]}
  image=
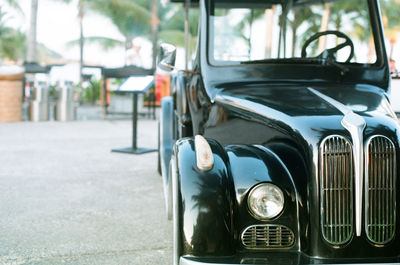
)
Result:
{"points": [[135, 85]]}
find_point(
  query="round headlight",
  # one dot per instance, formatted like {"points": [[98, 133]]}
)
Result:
{"points": [[266, 201]]}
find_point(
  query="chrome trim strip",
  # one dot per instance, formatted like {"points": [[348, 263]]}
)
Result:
{"points": [[253, 107], [341, 107], [187, 261], [389, 110], [355, 125]]}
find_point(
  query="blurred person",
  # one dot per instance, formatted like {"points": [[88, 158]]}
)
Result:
{"points": [[393, 70]]}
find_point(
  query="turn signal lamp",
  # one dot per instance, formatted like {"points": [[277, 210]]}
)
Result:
{"points": [[204, 155]]}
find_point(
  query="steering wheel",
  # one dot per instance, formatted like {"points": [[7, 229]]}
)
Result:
{"points": [[330, 53]]}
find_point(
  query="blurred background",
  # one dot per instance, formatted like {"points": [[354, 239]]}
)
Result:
{"points": [[73, 40], [113, 32]]}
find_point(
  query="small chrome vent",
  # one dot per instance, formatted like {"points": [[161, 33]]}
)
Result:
{"points": [[267, 236], [336, 189], [380, 186]]}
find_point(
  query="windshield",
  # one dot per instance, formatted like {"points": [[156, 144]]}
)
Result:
{"points": [[338, 31]]}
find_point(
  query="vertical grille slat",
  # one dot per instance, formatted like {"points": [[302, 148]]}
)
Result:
{"points": [[336, 184], [380, 192], [336, 189]]}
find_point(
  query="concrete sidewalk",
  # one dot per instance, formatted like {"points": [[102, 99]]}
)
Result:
{"points": [[66, 199]]}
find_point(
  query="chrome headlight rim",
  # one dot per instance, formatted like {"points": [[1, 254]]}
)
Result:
{"points": [[259, 186]]}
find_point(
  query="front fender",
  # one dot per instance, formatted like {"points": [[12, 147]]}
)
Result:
{"points": [[211, 206], [204, 203], [250, 166]]}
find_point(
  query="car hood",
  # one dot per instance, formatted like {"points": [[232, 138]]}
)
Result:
{"points": [[308, 111]]}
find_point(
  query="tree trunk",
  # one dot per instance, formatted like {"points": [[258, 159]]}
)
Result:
{"points": [[31, 49], [294, 32], [371, 50], [128, 45], [324, 27], [187, 34], [81, 41], [269, 18], [154, 31]]}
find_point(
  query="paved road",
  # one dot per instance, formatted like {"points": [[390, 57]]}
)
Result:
{"points": [[66, 199]]}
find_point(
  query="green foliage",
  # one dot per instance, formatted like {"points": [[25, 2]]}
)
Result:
{"points": [[173, 18], [172, 30], [91, 93], [104, 42], [12, 45], [132, 18], [391, 13], [116, 81], [176, 38], [13, 4]]}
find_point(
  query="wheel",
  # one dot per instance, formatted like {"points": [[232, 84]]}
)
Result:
{"points": [[330, 53], [168, 198]]}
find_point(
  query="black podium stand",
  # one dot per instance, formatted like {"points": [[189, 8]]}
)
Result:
{"points": [[135, 86]]}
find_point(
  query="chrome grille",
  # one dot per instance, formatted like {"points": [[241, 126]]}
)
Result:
{"points": [[267, 236], [380, 195], [336, 189]]}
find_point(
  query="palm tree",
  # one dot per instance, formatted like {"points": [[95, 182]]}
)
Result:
{"points": [[391, 14], [31, 56], [12, 40], [359, 16], [81, 13], [132, 18], [82, 6], [13, 4], [154, 31], [116, 10], [172, 30], [12, 44], [137, 19], [300, 16]]}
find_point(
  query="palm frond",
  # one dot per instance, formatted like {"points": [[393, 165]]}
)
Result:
{"points": [[104, 42], [176, 38], [131, 18]]}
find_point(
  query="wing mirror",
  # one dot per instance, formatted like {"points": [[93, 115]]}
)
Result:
{"points": [[166, 57]]}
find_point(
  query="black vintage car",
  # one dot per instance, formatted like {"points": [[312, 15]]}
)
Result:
{"points": [[280, 146]]}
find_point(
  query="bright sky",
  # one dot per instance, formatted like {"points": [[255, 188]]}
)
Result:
{"points": [[58, 24]]}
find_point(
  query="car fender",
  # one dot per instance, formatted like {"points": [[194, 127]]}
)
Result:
{"points": [[202, 203], [209, 206]]}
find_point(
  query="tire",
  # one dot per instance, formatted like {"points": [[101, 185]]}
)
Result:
{"points": [[168, 198]]}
